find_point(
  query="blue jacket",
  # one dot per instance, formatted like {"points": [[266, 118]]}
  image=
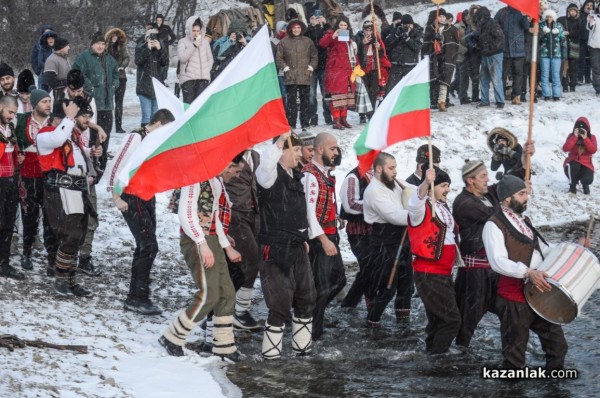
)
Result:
{"points": [[513, 24], [41, 51]]}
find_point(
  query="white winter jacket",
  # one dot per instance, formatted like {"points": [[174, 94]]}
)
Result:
{"points": [[594, 28]]}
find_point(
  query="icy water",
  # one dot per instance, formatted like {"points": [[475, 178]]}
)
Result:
{"points": [[352, 361]]}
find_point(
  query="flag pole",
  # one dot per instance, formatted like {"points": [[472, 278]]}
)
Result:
{"points": [[432, 182], [532, 95], [376, 40]]}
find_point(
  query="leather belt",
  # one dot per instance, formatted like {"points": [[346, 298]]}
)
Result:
{"points": [[67, 181]]}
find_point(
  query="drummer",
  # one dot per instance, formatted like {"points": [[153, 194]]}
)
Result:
{"points": [[515, 250]]}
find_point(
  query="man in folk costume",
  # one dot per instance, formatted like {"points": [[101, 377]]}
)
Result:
{"points": [[67, 168], [433, 244], [325, 257], [205, 214], [9, 195], [286, 275], [388, 217], [358, 231], [140, 216], [423, 159], [31, 176], [308, 149], [515, 250]]}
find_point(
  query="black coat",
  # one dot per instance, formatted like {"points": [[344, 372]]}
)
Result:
{"points": [[490, 36], [316, 33], [403, 46], [471, 214], [149, 64]]}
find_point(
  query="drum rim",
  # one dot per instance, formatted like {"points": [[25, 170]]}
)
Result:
{"points": [[562, 289]]}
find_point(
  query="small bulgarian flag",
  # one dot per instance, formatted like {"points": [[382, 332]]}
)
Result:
{"points": [[403, 114], [240, 108]]}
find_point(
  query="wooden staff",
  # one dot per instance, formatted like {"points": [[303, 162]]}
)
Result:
{"points": [[590, 228], [532, 88], [437, 15], [397, 260], [376, 40], [432, 182]]}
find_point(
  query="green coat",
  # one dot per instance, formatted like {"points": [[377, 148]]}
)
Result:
{"points": [[101, 77]]}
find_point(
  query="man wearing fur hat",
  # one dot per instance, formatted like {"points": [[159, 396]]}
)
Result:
{"points": [[403, 43], [24, 81], [57, 66], [7, 80], [67, 167], [515, 250], [101, 80], [433, 241], [580, 146], [423, 159], [31, 177]]}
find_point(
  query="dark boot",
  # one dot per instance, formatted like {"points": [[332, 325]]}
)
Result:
{"points": [[87, 266], [8, 271], [573, 188], [345, 123], [76, 288], [586, 189], [337, 125], [138, 299], [26, 262], [172, 349]]}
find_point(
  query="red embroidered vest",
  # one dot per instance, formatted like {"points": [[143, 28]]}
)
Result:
{"points": [[427, 238], [326, 209], [30, 168], [60, 159]]}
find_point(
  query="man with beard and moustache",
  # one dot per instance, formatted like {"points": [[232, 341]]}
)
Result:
{"points": [[67, 169], [31, 176], [433, 244], [9, 196], [286, 274], [325, 257], [7, 81], [515, 250], [385, 212]]}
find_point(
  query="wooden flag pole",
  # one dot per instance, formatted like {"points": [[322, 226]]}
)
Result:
{"points": [[437, 15], [432, 182], [532, 95], [376, 40]]}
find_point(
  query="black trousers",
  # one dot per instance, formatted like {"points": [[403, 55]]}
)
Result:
{"points": [[475, 295], [291, 111], [287, 287], [378, 270], [119, 95], [9, 202], [32, 202], [397, 72], [243, 229], [516, 320], [515, 67], [470, 71], [330, 279], [359, 244], [576, 173], [570, 81], [192, 89], [105, 120], [141, 220], [443, 318]]}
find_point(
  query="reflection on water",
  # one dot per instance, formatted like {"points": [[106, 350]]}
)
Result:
{"points": [[351, 361]]}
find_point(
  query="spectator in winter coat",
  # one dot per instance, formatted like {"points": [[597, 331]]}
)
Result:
{"points": [[116, 42], [593, 26], [341, 60], [553, 50], [580, 146], [278, 35], [584, 65], [472, 62], [57, 66], [195, 58], [167, 37], [297, 57], [150, 57], [490, 40], [573, 32], [513, 24], [403, 43], [315, 31], [40, 52]]}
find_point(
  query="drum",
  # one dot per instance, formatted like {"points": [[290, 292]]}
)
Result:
{"points": [[574, 273]]}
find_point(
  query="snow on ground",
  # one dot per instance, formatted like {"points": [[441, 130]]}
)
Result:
{"points": [[124, 358]]}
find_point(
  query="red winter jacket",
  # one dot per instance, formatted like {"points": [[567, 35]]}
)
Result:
{"points": [[337, 69], [588, 149]]}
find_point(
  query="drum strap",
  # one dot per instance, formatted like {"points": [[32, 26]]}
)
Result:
{"points": [[536, 233]]}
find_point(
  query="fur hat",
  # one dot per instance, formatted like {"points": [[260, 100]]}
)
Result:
{"points": [[37, 96], [550, 13], [440, 175], [159, 16], [60, 43], [397, 16], [75, 79], [57, 109], [508, 186], [25, 80], [367, 24], [423, 154], [6, 70], [407, 19], [296, 141], [96, 38]]}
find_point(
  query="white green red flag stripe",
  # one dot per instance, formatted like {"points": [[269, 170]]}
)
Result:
{"points": [[240, 108], [531, 8], [403, 114]]}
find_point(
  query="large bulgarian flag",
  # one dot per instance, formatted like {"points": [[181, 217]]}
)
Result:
{"points": [[403, 114], [531, 8], [240, 108]]}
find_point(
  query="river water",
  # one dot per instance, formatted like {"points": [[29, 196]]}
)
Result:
{"points": [[352, 361]]}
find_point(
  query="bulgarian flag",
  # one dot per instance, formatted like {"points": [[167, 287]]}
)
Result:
{"points": [[531, 8], [240, 108], [403, 114]]}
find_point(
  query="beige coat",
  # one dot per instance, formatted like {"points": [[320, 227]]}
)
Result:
{"points": [[195, 62]]}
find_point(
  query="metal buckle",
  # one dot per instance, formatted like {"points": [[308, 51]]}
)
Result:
{"points": [[64, 180], [81, 184]]}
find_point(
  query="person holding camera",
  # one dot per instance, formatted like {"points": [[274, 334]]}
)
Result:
{"points": [[505, 155], [404, 44], [151, 56], [578, 165], [228, 47], [195, 60]]}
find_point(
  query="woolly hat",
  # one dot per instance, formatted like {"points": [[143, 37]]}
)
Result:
{"points": [[397, 16], [237, 25], [25, 80], [160, 16], [407, 19], [442, 12], [280, 25], [307, 138], [440, 175], [508, 186], [75, 79], [37, 96], [572, 5], [423, 154], [60, 43], [6, 70], [550, 13], [85, 110], [470, 166], [96, 38]]}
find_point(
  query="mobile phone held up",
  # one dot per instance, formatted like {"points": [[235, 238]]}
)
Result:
{"points": [[344, 35]]}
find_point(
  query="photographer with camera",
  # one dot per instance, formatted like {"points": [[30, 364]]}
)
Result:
{"points": [[505, 154], [151, 56], [228, 47], [403, 43], [578, 165], [195, 60]]}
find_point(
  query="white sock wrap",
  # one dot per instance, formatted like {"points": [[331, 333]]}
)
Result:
{"points": [[301, 335], [272, 341], [223, 339]]}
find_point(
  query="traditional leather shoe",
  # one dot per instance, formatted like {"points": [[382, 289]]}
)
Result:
{"points": [[172, 349], [26, 263], [442, 107], [516, 101], [245, 321], [80, 291], [141, 306], [8, 271], [87, 266], [337, 125], [345, 123]]}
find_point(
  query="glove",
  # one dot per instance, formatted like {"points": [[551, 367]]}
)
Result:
{"points": [[310, 68], [286, 69], [546, 29], [404, 35], [506, 151], [497, 157], [555, 31]]}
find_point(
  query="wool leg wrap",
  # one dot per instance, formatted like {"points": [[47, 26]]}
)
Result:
{"points": [[208, 333], [243, 300], [272, 341], [223, 340], [65, 265], [179, 329], [403, 314], [301, 335]]}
